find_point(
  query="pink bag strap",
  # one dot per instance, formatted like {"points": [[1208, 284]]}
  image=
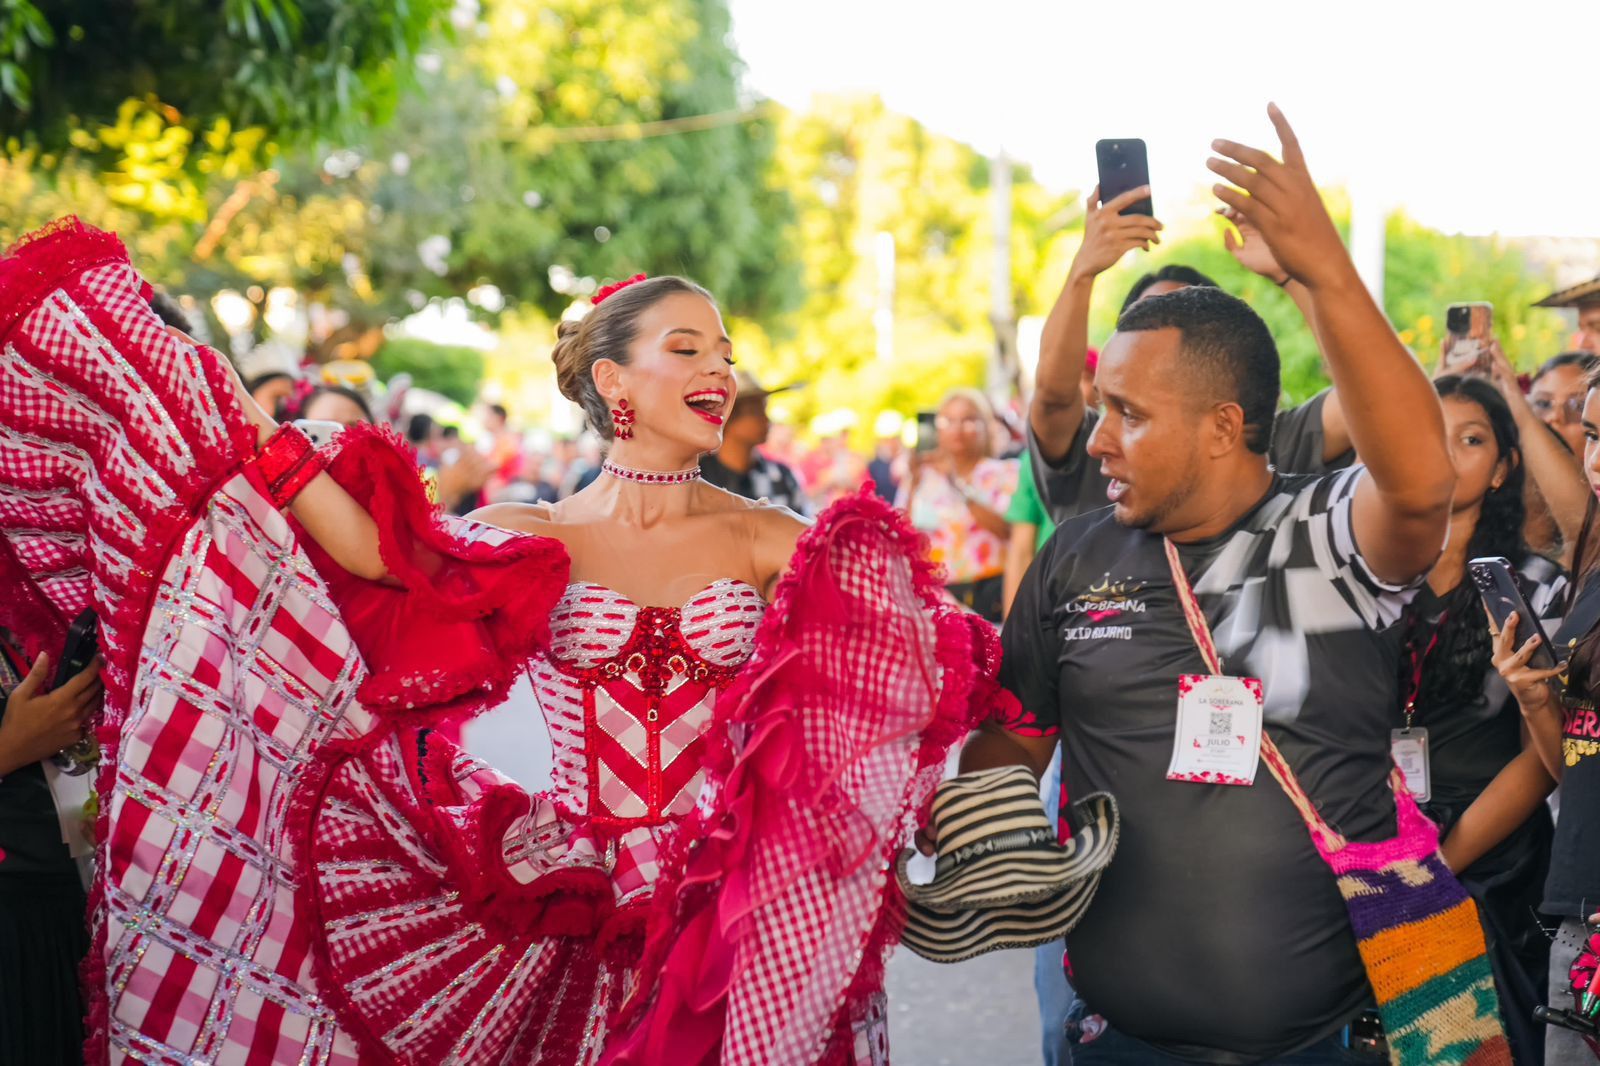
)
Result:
{"points": [[1328, 841]]}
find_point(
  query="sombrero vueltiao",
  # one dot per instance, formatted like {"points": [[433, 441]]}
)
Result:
{"points": [[1579, 295], [1002, 880]]}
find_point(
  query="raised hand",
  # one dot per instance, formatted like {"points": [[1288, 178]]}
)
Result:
{"points": [[1281, 202], [1245, 243], [1108, 235]]}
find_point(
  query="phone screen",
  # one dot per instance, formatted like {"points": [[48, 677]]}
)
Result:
{"points": [[1124, 165], [927, 431]]}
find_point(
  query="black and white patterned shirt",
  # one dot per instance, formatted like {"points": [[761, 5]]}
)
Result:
{"points": [[1075, 485], [767, 479], [1217, 933]]}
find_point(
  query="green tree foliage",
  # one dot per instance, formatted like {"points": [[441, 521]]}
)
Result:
{"points": [[532, 159], [1426, 271], [857, 170], [293, 68], [485, 178], [451, 370]]}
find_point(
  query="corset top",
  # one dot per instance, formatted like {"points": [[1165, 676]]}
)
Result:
{"points": [[628, 693]]}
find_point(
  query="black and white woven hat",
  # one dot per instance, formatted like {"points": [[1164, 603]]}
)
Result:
{"points": [[1001, 879]]}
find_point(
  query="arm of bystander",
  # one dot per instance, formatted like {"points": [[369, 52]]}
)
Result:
{"points": [[1057, 411]]}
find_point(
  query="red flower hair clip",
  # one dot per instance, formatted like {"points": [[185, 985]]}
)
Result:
{"points": [[607, 290]]}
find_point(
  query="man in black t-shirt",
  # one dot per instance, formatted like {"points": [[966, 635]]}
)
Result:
{"points": [[1311, 438], [1217, 934]]}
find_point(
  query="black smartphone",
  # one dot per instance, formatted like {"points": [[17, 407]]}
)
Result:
{"points": [[1497, 584], [927, 432], [83, 644], [1123, 166]]}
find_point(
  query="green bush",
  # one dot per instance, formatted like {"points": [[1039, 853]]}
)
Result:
{"points": [[447, 369]]}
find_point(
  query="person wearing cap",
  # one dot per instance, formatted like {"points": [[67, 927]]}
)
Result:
{"points": [[739, 466]]}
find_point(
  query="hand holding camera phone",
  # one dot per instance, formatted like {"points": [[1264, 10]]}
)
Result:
{"points": [[1470, 332], [1124, 166], [1497, 584], [83, 644]]}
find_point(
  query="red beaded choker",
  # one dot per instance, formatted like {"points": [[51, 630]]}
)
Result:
{"points": [[652, 477]]}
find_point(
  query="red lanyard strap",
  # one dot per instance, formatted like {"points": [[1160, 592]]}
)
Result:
{"points": [[1328, 840]]}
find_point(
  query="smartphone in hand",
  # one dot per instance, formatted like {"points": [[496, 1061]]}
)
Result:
{"points": [[927, 432], [83, 644], [1497, 584], [1124, 165], [1471, 330]]}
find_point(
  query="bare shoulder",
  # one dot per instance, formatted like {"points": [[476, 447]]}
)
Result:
{"points": [[776, 527], [774, 532], [537, 518]]}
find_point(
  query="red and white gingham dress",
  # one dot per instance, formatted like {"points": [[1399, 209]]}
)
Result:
{"points": [[291, 873]]}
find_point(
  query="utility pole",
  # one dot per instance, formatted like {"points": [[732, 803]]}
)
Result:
{"points": [[1003, 364], [883, 316], [1369, 220]]}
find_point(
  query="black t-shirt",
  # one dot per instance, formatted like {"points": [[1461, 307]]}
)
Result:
{"points": [[1075, 485], [1217, 933], [1470, 743], [1573, 888], [767, 479]]}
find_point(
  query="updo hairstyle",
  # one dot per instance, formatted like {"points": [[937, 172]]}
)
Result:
{"points": [[607, 332]]}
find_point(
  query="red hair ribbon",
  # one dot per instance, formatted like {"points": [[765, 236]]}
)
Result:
{"points": [[607, 290]]}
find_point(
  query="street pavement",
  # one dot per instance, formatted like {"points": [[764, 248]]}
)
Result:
{"points": [[981, 1012]]}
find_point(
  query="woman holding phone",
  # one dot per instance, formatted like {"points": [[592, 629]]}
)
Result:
{"points": [[1558, 711], [1479, 782]]}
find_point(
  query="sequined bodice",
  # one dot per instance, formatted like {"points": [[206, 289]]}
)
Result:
{"points": [[628, 693]]}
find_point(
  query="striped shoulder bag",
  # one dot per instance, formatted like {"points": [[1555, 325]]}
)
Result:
{"points": [[1416, 927]]}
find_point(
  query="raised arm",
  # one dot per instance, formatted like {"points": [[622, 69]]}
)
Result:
{"points": [[1402, 509], [1056, 413], [327, 513], [1555, 471], [1245, 244]]}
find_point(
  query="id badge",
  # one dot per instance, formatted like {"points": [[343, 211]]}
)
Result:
{"points": [[1409, 748], [1218, 738]]}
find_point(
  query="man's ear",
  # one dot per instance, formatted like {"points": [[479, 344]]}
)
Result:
{"points": [[1226, 429]]}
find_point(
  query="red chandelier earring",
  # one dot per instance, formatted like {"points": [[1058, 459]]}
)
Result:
{"points": [[622, 421]]}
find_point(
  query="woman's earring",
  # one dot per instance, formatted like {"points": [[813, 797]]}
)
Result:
{"points": [[622, 421]]}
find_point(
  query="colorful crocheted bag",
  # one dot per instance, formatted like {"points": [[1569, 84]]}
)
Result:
{"points": [[1416, 927]]}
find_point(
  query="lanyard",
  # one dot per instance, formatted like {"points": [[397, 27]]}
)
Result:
{"points": [[1326, 837], [1418, 662]]}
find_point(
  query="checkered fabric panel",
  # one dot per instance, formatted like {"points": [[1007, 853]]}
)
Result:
{"points": [[206, 959], [872, 676]]}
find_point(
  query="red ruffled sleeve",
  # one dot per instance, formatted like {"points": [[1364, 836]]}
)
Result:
{"points": [[465, 605]]}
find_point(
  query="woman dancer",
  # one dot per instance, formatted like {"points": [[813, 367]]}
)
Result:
{"points": [[294, 873]]}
